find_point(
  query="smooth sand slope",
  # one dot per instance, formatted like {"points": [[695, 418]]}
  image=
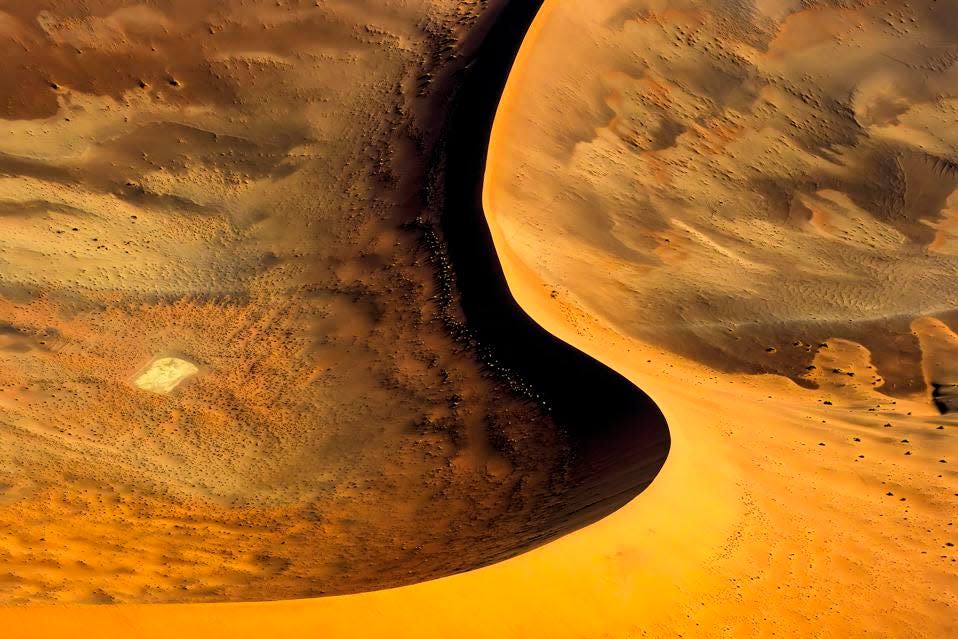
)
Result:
{"points": [[744, 209]]}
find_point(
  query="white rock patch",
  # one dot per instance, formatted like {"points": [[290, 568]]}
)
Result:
{"points": [[165, 374]]}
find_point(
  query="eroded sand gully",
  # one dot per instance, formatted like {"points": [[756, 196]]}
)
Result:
{"points": [[232, 361]]}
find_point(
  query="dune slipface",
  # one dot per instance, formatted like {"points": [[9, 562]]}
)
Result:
{"points": [[234, 363]]}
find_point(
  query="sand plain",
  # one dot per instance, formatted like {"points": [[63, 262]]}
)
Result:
{"points": [[810, 490]]}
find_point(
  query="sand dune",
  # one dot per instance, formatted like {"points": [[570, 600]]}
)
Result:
{"points": [[744, 208], [230, 366], [760, 191]]}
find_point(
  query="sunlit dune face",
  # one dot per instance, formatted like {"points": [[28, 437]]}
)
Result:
{"points": [[165, 374], [739, 179], [750, 205]]}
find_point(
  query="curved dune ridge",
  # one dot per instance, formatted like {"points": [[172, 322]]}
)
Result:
{"points": [[235, 362], [753, 199], [810, 488]]}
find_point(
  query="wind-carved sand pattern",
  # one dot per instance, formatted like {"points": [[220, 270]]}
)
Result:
{"points": [[749, 170], [747, 208], [164, 374]]}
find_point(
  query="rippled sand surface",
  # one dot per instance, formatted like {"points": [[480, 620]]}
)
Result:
{"points": [[748, 205], [744, 207]]}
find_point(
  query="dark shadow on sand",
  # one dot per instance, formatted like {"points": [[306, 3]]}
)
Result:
{"points": [[619, 437]]}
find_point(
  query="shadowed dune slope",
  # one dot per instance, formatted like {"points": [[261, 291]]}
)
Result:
{"points": [[618, 436], [233, 363]]}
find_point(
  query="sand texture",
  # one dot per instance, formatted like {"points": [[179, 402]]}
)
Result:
{"points": [[746, 208], [226, 370]]}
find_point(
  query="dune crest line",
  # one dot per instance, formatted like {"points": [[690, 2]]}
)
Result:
{"points": [[619, 437]]}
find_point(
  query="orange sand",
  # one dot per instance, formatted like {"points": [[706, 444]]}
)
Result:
{"points": [[771, 518]]}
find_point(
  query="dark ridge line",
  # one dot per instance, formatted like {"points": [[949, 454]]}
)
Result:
{"points": [[618, 436]]}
